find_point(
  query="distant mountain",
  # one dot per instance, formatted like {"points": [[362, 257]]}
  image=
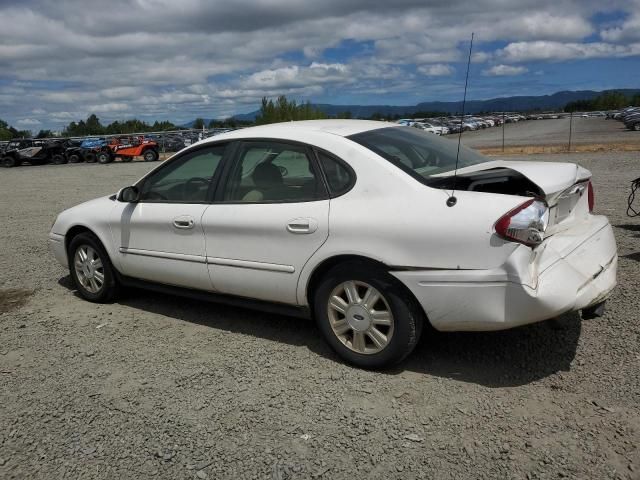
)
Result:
{"points": [[519, 104], [192, 122]]}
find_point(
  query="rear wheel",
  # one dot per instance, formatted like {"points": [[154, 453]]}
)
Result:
{"points": [[74, 158], [150, 156], [104, 157], [91, 269], [366, 316], [90, 157], [58, 159], [8, 162]]}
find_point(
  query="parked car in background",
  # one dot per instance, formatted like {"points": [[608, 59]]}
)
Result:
{"points": [[426, 127], [171, 143], [126, 148], [73, 151], [280, 217], [34, 152], [90, 147]]}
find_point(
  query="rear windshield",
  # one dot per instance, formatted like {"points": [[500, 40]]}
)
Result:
{"points": [[420, 154]]}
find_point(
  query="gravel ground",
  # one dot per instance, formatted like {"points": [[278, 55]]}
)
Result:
{"points": [[160, 387], [552, 132]]}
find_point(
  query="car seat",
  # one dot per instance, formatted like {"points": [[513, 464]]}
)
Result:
{"points": [[268, 181]]}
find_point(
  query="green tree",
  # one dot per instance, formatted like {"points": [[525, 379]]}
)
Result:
{"points": [[285, 110], [93, 125], [199, 123]]}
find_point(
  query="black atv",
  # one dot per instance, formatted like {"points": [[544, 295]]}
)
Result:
{"points": [[72, 151], [35, 152]]}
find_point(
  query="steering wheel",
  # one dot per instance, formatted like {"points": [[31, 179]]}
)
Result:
{"points": [[193, 184]]}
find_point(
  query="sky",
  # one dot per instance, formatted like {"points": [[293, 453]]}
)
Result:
{"points": [[61, 60]]}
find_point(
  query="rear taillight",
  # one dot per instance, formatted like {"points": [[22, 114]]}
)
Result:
{"points": [[524, 224], [591, 196]]}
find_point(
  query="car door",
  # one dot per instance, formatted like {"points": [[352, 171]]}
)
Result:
{"points": [[270, 215], [160, 237]]}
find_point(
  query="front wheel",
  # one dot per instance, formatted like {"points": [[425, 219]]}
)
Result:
{"points": [[74, 158], [366, 316], [8, 162], [150, 156], [103, 157], [58, 159], [91, 269]]}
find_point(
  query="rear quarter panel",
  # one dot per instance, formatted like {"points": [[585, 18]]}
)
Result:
{"points": [[390, 217]]}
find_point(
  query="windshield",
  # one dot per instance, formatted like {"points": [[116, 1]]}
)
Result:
{"points": [[421, 154]]}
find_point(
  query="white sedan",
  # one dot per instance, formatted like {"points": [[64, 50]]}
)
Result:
{"points": [[365, 226]]}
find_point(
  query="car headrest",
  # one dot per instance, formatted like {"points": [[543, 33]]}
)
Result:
{"points": [[267, 175]]}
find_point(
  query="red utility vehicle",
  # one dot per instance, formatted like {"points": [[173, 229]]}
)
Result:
{"points": [[127, 148]]}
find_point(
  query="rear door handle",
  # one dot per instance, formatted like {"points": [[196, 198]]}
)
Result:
{"points": [[184, 222], [302, 225]]}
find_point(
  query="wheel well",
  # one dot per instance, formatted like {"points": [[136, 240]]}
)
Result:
{"points": [[322, 269], [74, 232]]}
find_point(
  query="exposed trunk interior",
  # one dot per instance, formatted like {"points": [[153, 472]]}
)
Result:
{"points": [[497, 180]]}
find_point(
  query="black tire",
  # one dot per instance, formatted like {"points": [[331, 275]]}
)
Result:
{"points": [[8, 162], [636, 127], [150, 155], [110, 287], [74, 158], [103, 157], [407, 322], [58, 159], [90, 157]]}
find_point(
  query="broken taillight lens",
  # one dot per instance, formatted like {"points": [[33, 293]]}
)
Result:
{"points": [[524, 224]]}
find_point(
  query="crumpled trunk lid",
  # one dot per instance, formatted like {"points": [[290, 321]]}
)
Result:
{"points": [[564, 186], [552, 178]]}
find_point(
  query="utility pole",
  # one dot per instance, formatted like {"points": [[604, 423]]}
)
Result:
{"points": [[570, 130], [503, 131]]}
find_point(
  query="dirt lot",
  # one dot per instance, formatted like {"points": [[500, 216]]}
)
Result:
{"points": [[160, 387], [553, 134]]}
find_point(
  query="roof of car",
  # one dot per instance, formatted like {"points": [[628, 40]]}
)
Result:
{"points": [[342, 128]]}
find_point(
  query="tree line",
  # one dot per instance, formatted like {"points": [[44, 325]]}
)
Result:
{"points": [[92, 126], [7, 132], [605, 101]]}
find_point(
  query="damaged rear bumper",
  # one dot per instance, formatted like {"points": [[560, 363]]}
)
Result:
{"points": [[571, 270]]}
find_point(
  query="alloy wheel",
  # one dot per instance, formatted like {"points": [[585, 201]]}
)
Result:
{"points": [[360, 317], [89, 269]]}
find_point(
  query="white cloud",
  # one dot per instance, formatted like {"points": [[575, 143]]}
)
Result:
{"points": [[504, 70], [28, 121], [296, 76], [556, 51], [629, 30], [109, 107], [437, 70]]}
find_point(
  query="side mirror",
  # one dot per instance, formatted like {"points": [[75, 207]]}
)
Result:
{"points": [[128, 195]]}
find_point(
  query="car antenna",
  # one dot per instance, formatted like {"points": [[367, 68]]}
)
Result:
{"points": [[452, 200]]}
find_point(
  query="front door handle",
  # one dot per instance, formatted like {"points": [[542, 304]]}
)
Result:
{"points": [[184, 222], [302, 225]]}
